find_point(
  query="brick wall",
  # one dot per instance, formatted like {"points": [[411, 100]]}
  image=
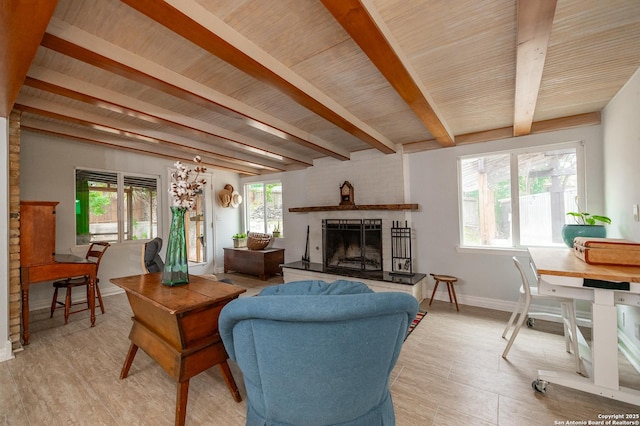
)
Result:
{"points": [[376, 178], [14, 230]]}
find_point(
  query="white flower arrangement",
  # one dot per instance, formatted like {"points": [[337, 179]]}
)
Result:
{"points": [[183, 188]]}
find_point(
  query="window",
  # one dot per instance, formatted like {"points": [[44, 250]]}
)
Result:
{"points": [[115, 207], [519, 198], [263, 206], [195, 230]]}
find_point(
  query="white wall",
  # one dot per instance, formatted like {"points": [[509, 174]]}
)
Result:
{"points": [[294, 226], [622, 152], [428, 178], [5, 343], [47, 174], [622, 179], [486, 277], [376, 178]]}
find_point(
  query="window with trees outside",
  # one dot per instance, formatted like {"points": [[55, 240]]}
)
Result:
{"points": [[195, 226], [518, 198], [115, 207], [263, 206]]}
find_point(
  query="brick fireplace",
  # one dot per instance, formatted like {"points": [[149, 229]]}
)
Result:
{"points": [[352, 244], [381, 196]]}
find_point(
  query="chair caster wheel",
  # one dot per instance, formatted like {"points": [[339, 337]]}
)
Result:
{"points": [[531, 322], [539, 386]]}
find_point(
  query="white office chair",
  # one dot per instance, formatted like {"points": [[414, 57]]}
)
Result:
{"points": [[568, 316]]}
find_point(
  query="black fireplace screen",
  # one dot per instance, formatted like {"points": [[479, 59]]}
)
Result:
{"points": [[352, 244]]}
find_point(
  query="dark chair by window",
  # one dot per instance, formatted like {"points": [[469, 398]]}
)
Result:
{"points": [[151, 261], [94, 254]]}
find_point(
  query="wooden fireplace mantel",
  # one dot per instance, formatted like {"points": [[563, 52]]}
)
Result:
{"points": [[354, 207]]}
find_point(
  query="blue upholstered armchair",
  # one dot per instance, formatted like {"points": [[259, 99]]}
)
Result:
{"points": [[314, 353]]}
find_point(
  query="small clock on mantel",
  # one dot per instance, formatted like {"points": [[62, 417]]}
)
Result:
{"points": [[346, 194]]}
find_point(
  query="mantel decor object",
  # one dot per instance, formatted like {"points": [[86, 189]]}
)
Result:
{"points": [[346, 194], [183, 189]]}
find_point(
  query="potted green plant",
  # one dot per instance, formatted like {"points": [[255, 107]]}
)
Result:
{"points": [[587, 225], [239, 240], [276, 231]]}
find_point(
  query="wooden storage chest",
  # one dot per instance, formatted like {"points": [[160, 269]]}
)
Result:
{"points": [[263, 263]]}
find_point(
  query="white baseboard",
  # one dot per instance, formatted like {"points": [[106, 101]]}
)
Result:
{"points": [[6, 353], [480, 302], [584, 317], [42, 304]]}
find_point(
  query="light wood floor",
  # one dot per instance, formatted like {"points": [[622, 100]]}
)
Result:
{"points": [[450, 372]]}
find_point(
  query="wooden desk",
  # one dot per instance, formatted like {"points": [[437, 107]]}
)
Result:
{"points": [[263, 263], [38, 261], [178, 328], [63, 266], [562, 274]]}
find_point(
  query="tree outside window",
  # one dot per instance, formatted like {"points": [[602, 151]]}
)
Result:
{"points": [[195, 225], [494, 215], [115, 207], [263, 206]]}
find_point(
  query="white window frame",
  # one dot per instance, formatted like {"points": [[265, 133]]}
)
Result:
{"points": [[515, 199], [264, 201], [120, 207]]}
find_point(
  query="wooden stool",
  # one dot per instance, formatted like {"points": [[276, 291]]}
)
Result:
{"points": [[449, 280]]}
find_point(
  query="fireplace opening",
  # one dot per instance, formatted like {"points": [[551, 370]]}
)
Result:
{"points": [[352, 244]]}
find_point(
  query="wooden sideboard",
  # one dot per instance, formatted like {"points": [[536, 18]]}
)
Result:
{"points": [[38, 261], [263, 263]]}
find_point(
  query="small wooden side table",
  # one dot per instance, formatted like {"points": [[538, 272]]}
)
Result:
{"points": [[178, 328], [449, 280]]}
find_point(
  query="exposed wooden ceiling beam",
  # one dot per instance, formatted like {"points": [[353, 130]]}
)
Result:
{"points": [[195, 23], [563, 123], [76, 43], [368, 30], [22, 24], [63, 85], [570, 122], [125, 129], [535, 19], [32, 123]]}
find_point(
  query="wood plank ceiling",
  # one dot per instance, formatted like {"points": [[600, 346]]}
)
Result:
{"points": [[261, 86]]}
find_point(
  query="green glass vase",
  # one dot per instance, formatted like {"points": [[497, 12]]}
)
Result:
{"points": [[176, 266]]}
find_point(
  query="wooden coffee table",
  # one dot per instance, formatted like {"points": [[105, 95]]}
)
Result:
{"points": [[178, 328]]}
